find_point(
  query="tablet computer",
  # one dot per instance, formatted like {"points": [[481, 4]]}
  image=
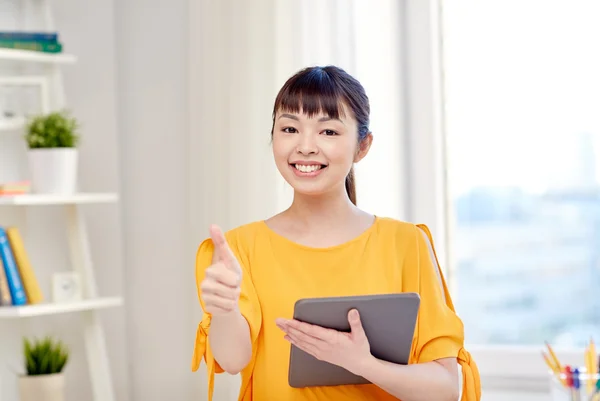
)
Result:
{"points": [[388, 320]]}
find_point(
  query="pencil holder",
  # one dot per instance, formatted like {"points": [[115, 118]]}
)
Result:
{"points": [[583, 387]]}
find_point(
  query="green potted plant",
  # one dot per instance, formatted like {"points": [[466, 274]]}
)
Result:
{"points": [[44, 379], [52, 140]]}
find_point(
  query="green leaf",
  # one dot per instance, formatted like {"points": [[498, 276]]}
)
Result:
{"points": [[54, 130], [44, 356]]}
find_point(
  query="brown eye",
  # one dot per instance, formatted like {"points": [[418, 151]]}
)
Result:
{"points": [[290, 130], [329, 132]]}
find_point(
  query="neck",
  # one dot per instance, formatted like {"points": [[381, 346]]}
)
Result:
{"points": [[323, 210]]}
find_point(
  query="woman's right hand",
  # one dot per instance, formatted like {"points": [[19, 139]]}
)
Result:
{"points": [[220, 289]]}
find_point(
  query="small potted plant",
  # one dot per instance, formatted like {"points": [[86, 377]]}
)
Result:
{"points": [[44, 363], [52, 141]]}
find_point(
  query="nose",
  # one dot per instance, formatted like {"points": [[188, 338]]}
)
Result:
{"points": [[307, 145]]}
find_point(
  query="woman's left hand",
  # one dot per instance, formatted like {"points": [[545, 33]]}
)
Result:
{"points": [[350, 351]]}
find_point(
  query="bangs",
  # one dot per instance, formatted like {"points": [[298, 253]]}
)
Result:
{"points": [[312, 92]]}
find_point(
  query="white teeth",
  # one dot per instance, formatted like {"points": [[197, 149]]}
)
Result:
{"points": [[307, 169]]}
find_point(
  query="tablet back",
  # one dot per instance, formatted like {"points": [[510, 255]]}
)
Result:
{"points": [[389, 323]]}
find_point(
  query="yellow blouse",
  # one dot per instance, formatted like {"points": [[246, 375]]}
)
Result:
{"points": [[391, 256]]}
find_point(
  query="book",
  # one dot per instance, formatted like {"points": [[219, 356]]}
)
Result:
{"points": [[5, 298], [15, 285], [32, 36], [45, 47], [14, 188], [28, 278]]}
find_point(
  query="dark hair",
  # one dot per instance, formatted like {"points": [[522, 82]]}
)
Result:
{"points": [[325, 90]]}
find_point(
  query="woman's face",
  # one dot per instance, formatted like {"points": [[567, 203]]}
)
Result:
{"points": [[314, 155]]}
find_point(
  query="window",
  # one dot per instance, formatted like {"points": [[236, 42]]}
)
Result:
{"points": [[522, 94], [504, 133]]}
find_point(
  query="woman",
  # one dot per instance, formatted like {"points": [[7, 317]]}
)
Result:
{"points": [[323, 245]]}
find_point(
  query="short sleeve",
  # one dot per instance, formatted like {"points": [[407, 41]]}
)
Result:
{"points": [[440, 332], [248, 304]]}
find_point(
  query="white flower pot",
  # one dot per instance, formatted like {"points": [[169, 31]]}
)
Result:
{"points": [[53, 170], [42, 387]]}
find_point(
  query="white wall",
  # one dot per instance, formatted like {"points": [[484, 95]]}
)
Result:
{"points": [[152, 86]]}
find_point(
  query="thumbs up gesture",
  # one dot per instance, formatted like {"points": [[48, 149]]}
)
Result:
{"points": [[221, 285]]}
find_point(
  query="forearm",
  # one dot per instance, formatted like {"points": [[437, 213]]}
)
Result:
{"points": [[417, 382], [229, 338]]}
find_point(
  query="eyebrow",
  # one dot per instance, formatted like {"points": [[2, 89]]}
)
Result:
{"points": [[322, 119]]}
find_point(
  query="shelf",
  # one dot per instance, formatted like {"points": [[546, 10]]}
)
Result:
{"points": [[44, 309], [42, 199], [36, 57], [13, 124]]}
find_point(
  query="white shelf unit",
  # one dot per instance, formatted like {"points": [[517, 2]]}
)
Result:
{"points": [[46, 309], [92, 303], [75, 199], [13, 124], [36, 57]]}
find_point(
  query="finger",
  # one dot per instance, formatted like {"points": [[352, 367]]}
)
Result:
{"points": [[215, 301], [297, 335], [312, 330], [221, 274], [218, 289], [215, 310], [308, 348], [356, 327], [282, 324], [222, 249]]}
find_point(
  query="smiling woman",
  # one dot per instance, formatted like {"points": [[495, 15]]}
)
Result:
{"points": [[323, 101], [323, 245]]}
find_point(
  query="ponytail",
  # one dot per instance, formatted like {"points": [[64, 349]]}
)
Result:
{"points": [[351, 186]]}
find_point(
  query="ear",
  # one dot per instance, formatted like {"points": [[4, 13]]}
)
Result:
{"points": [[363, 147]]}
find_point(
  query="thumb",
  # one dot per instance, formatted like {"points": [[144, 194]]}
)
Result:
{"points": [[356, 327], [222, 250]]}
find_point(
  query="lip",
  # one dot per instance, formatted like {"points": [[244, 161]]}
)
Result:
{"points": [[307, 163], [299, 173]]}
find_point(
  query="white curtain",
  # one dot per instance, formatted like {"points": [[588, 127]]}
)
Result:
{"points": [[241, 53]]}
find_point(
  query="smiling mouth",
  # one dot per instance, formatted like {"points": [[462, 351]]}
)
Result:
{"points": [[308, 168]]}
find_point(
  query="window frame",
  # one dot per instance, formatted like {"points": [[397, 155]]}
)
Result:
{"points": [[427, 196]]}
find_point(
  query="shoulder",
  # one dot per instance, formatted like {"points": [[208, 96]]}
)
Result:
{"points": [[397, 229], [415, 242], [408, 237], [245, 234]]}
